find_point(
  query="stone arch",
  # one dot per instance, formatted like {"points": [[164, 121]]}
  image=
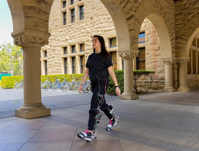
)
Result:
{"points": [[186, 34], [157, 12], [120, 24], [189, 43]]}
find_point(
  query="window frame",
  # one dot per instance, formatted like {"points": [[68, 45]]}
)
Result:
{"points": [[73, 46], [64, 15], [80, 13], [65, 66], [110, 42], [72, 15]]}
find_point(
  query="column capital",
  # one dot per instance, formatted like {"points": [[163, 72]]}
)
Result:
{"points": [[184, 60], [128, 54], [31, 38], [167, 60]]}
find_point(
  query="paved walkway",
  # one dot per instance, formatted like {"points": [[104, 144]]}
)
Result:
{"points": [[155, 122]]}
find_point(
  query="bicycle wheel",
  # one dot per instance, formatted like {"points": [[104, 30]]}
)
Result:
{"points": [[85, 88], [73, 87], [45, 86], [55, 87], [17, 85], [65, 86]]}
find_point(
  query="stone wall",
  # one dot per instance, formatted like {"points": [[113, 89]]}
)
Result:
{"points": [[97, 21]]}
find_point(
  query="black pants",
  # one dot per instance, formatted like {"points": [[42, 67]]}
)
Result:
{"points": [[98, 88]]}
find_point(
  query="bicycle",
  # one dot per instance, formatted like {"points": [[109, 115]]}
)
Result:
{"points": [[47, 85], [60, 85], [19, 85], [74, 85], [86, 86]]}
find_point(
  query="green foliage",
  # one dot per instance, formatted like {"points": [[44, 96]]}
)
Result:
{"points": [[120, 79], [11, 59], [68, 77], [9, 82]]}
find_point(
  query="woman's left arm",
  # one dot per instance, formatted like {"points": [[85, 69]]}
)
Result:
{"points": [[112, 74]]}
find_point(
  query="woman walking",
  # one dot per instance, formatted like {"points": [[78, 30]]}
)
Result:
{"points": [[98, 68]]}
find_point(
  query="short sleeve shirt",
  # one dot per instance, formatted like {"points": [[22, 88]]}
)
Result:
{"points": [[97, 66]]}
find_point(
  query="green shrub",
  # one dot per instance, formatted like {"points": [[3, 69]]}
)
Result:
{"points": [[120, 79], [9, 82]]}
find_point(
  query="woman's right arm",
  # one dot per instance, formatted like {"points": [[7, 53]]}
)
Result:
{"points": [[85, 76]]}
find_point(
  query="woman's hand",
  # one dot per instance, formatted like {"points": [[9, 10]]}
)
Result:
{"points": [[118, 91], [80, 88]]}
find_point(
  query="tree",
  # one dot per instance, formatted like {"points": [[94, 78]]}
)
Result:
{"points": [[11, 59]]}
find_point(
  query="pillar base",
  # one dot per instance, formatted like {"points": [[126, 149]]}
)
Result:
{"points": [[29, 114], [169, 89], [129, 96], [183, 89]]}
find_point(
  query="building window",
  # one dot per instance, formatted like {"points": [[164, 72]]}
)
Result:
{"points": [[45, 54], [81, 12], [82, 64], [114, 60], [113, 42], [82, 47], [141, 59], [141, 38], [64, 4], [72, 2], [65, 50], [64, 18], [72, 15], [73, 65], [45, 62], [65, 65], [73, 49]]}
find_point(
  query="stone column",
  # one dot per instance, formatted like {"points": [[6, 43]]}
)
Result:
{"points": [[32, 107], [168, 76], [31, 44], [183, 75], [128, 93]]}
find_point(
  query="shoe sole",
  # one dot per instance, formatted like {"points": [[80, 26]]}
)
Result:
{"points": [[87, 139]]}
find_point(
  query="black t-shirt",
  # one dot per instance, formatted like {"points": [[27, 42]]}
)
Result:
{"points": [[97, 66]]}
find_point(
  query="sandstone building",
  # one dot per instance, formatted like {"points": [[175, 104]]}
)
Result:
{"points": [[174, 55]]}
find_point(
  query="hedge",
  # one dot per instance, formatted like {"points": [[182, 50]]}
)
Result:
{"points": [[9, 82]]}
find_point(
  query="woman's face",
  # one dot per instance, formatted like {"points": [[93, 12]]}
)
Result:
{"points": [[96, 43]]}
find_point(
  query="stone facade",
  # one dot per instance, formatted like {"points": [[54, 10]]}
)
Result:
{"points": [[97, 21]]}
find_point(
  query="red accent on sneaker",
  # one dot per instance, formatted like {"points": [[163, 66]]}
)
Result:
{"points": [[110, 122], [87, 131]]}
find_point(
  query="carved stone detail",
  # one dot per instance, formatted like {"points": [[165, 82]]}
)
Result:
{"points": [[168, 60], [182, 60], [128, 55], [28, 41]]}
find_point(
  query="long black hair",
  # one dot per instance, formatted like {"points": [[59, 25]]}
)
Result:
{"points": [[104, 52]]}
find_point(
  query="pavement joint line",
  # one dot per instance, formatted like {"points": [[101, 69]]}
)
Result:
{"points": [[73, 139], [193, 142]]}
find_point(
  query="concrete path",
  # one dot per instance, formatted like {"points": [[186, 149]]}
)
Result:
{"points": [[155, 122]]}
